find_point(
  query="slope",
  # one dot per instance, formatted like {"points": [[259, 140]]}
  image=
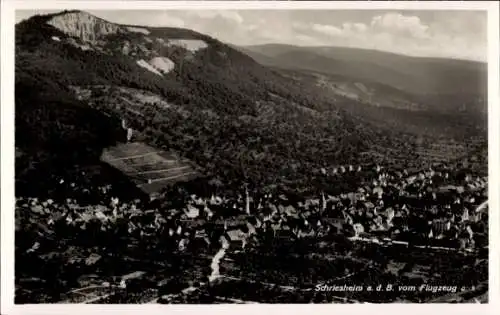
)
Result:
{"points": [[228, 113], [182, 90]]}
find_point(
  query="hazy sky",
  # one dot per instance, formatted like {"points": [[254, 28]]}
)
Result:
{"points": [[454, 34]]}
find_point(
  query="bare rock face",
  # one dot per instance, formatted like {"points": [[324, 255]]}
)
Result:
{"points": [[84, 26]]}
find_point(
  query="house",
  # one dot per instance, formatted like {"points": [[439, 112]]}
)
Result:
{"points": [[439, 228], [378, 191], [303, 232], [286, 234], [234, 238], [358, 229], [465, 215], [191, 211], [291, 212]]}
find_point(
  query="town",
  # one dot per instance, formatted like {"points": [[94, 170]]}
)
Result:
{"points": [[432, 210]]}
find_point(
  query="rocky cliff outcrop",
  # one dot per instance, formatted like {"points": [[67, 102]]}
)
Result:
{"points": [[84, 26]]}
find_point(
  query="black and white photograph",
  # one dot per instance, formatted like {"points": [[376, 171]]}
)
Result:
{"points": [[243, 156]]}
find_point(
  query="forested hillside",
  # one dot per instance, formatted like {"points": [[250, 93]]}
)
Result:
{"points": [[238, 119]]}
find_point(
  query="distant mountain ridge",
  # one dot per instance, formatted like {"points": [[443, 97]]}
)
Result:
{"points": [[425, 77]]}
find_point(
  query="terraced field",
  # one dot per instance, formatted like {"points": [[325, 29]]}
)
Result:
{"points": [[150, 169]]}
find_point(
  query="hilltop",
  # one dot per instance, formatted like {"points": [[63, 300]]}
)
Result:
{"points": [[78, 75]]}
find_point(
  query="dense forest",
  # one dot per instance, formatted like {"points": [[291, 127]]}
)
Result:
{"points": [[237, 119]]}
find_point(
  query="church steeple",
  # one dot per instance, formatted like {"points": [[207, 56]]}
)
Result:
{"points": [[247, 202]]}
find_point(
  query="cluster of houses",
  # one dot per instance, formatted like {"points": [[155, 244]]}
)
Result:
{"points": [[394, 205], [432, 207], [426, 206]]}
